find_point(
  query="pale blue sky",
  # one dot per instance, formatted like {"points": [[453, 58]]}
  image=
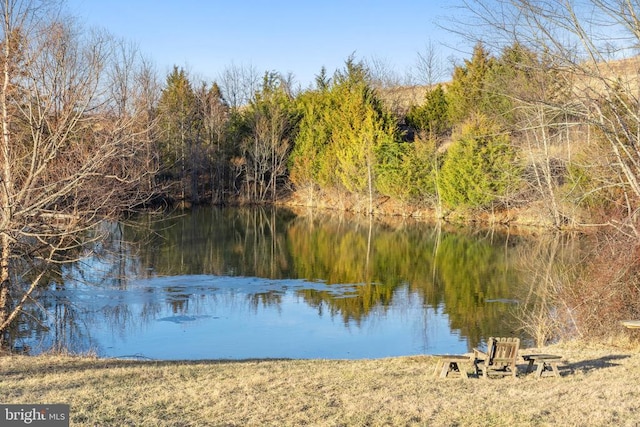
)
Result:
{"points": [[299, 37]]}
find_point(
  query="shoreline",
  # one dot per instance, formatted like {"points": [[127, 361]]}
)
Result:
{"points": [[597, 387], [529, 219]]}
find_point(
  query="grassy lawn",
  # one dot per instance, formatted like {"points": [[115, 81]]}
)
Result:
{"points": [[600, 386]]}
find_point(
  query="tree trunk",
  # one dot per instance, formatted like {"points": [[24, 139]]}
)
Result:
{"points": [[5, 283], [370, 184], [6, 181]]}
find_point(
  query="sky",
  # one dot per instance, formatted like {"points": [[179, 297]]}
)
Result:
{"points": [[205, 37]]}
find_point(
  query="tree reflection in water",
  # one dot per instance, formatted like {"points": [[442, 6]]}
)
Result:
{"points": [[349, 269]]}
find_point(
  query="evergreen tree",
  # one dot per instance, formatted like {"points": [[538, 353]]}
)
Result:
{"points": [[512, 82], [362, 131], [346, 138], [479, 166], [178, 120], [312, 162], [419, 172], [467, 92], [322, 80], [391, 173], [217, 150], [431, 118]]}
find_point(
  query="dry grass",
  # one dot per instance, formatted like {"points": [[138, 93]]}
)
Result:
{"points": [[599, 387]]}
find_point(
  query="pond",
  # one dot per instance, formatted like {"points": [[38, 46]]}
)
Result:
{"points": [[266, 283]]}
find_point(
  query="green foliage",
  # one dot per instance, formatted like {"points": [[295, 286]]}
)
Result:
{"points": [[517, 78], [178, 121], [360, 128], [322, 80], [346, 135], [467, 92], [499, 87], [407, 171], [391, 179], [478, 168], [420, 171], [432, 117], [312, 162], [341, 136]]}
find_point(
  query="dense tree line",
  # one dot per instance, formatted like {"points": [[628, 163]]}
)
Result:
{"points": [[469, 144]]}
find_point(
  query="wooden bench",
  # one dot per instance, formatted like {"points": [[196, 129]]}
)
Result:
{"points": [[451, 364], [547, 364]]}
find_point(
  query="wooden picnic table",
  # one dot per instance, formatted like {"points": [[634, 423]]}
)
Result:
{"points": [[448, 364], [547, 364]]}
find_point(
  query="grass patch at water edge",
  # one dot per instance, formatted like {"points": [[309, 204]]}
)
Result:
{"points": [[598, 387]]}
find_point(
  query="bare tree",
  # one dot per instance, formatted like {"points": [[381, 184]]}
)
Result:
{"points": [[429, 69], [269, 144], [133, 92], [239, 84], [396, 91], [590, 45], [73, 130], [382, 73]]}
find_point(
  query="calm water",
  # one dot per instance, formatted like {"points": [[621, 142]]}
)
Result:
{"points": [[262, 283]]}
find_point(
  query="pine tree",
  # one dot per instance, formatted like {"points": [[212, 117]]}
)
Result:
{"points": [[432, 117], [346, 140], [479, 166], [363, 132], [177, 121], [312, 163], [467, 93]]}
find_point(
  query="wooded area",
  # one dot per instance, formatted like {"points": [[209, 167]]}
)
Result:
{"points": [[542, 119]]}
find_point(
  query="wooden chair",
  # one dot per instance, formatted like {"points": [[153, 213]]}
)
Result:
{"points": [[499, 359]]}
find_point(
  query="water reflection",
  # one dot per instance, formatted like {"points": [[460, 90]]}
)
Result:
{"points": [[233, 283]]}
